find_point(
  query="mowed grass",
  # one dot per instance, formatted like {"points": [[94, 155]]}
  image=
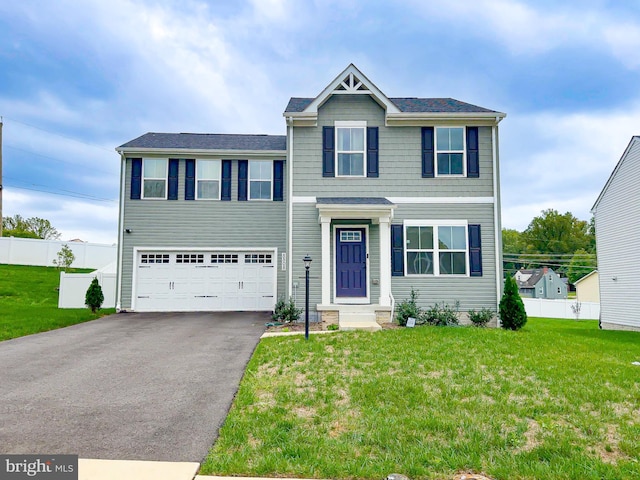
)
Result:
{"points": [[29, 302], [559, 399]]}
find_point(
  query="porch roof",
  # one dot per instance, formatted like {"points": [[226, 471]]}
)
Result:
{"points": [[375, 208]]}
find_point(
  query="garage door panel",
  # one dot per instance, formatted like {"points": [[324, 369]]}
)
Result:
{"points": [[205, 281]]}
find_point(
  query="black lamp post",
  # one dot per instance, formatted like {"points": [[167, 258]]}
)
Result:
{"points": [[307, 265]]}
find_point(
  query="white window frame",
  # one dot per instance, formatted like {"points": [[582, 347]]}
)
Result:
{"points": [[436, 247], [352, 124], [463, 152], [249, 180], [165, 179], [209, 179]]}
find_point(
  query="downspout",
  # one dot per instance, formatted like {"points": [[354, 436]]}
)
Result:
{"points": [[290, 209], [123, 168], [497, 220]]}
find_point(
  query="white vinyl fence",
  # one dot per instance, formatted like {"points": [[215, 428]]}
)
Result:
{"points": [[539, 307], [30, 251], [73, 288]]}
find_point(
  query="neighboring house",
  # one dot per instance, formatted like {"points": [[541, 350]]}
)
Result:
{"points": [[588, 288], [385, 194], [617, 220], [540, 283]]}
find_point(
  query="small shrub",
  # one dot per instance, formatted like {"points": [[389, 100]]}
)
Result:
{"points": [[286, 312], [576, 308], [513, 316], [94, 296], [481, 317], [407, 309], [441, 315], [65, 258], [333, 326]]}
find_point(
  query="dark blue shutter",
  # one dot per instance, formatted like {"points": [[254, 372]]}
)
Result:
{"points": [[278, 180], [328, 152], [473, 160], [372, 152], [173, 179], [427, 153], [397, 250], [190, 180], [243, 173], [475, 251], [136, 178], [226, 180]]}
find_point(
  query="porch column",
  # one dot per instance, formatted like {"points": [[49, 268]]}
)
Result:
{"points": [[385, 262], [325, 223]]}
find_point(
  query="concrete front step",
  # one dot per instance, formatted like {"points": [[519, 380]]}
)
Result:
{"points": [[359, 321]]}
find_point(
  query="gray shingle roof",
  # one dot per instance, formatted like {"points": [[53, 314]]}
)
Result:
{"points": [[353, 201], [408, 105], [208, 141]]}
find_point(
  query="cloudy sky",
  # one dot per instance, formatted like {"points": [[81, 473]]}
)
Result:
{"points": [[80, 77]]}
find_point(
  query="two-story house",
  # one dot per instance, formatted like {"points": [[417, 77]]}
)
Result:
{"points": [[385, 195], [540, 283]]}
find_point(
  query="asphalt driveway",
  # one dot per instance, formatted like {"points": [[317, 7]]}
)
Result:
{"points": [[129, 386]]}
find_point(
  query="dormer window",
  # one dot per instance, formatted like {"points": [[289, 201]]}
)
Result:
{"points": [[350, 149]]}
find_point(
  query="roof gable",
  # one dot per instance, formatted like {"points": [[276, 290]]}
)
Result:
{"points": [[634, 143]]}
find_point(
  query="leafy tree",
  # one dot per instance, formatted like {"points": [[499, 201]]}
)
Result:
{"points": [[65, 258], [94, 296], [581, 264], [512, 313], [512, 246], [34, 227], [554, 233]]}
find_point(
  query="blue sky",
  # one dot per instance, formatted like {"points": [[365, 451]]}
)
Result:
{"points": [[78, 78]]}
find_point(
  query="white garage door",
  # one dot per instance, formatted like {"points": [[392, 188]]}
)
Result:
{"points": [[205, 281]]}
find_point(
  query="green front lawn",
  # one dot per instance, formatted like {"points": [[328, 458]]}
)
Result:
{"points": [[29, 302], [557, 400]]}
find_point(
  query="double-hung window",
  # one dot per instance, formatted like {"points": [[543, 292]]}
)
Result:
{"points": [[208, 179], [154, 176], [450, 151], [436, 248], [350, 149], [260, 179]]}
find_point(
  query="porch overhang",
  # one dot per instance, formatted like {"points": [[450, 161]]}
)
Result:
{"points": [[376, 209]]}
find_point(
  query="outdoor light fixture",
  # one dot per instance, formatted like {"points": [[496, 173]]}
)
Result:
{"points": [[307, 264], [127, 230]]}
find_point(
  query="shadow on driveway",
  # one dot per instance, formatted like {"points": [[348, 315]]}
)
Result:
{"points": [[129, 386]]}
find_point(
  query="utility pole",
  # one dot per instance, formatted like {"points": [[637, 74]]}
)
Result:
{"points": [[0, 176]]}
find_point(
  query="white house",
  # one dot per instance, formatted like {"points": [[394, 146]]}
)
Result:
{"points": [[617, 217]]}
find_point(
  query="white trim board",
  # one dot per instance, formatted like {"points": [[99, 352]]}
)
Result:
{"points": [[415, 200]]}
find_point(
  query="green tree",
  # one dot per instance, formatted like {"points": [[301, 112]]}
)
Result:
{"points": [[94, 296], [65, 258], [581, 264], [34, 227], [512, 247], [513, 316]]}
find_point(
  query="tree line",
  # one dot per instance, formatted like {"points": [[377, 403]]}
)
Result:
{"points": [[33, 227], [559, 241]]}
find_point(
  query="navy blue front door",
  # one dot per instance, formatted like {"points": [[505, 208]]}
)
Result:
{"points": [[351, 262]]}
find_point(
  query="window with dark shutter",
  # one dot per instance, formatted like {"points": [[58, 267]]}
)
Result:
{"points": [[397, 250], [278, 180], [475, 251], [328, 152], [174, 165], [226, 181], [372, 152], [427, 152], [136, 178], [473, 158], [243, 173], [190, 180]]}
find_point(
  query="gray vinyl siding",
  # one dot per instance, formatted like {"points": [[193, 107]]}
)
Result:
{"points": [[617, 224], [200, 223], [400, 158], [307, 239], [471, 292]]}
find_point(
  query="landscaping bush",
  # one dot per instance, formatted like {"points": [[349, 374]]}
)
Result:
{"points": [[481, 317], [408, 309], [442, 315], [512, 313], [94, 296], [286, 312]]}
